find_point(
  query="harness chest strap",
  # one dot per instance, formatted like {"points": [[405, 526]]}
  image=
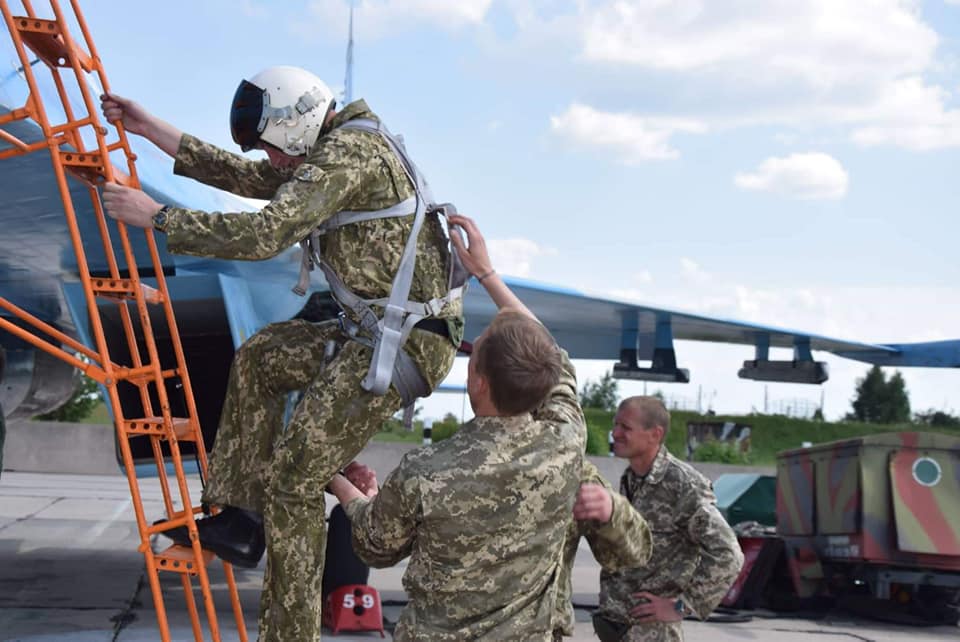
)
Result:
{"points": [[389, 363]]}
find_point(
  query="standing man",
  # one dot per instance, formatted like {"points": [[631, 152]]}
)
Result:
{"points": [[695, 557], [320, 163], [483, 515]]}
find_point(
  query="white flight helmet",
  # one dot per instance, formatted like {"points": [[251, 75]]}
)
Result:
{"points": [[282, 106]]}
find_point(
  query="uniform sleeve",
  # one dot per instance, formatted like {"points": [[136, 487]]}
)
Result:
{"points": [[623, 542], [315, 193], [720, 557], [563, 404], [231, 172], [384, 528]]}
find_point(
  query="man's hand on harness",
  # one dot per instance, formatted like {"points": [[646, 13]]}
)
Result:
{"points": [[475, 258], [477, 261], [130, 206]]}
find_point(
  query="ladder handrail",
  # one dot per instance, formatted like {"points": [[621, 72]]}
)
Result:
{"points": [[56, 48]]}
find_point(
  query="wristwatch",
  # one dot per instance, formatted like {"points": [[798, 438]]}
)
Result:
{"points": [[678, 606], [160, 219]]}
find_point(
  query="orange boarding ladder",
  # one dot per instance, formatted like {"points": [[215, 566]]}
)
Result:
{"points": [[51, 42]]}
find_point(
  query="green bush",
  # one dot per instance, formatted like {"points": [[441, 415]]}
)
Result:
{"points": [[599, 425], [445, 428], [86, 397], [720, 452], [769, 434]]}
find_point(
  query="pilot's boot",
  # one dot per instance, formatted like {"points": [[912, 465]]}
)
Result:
{"points": [[234, 535]]}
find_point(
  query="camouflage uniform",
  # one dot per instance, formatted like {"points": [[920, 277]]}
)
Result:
{"points": [[257, 464], [623, 542], [483, 517], [695, 552]]}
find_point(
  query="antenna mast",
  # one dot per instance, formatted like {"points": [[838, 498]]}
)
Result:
{"points": [[348, 80]]}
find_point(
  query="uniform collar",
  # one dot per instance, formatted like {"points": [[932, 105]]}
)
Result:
{"points": [[500, 425], [660, 464], [659, 468], [356, 109]]}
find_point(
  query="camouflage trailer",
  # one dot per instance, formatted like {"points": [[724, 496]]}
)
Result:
{"points": [[874, 519]]}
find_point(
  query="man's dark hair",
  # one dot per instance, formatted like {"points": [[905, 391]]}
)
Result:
{"points": [[520, 360], [651, 412]]}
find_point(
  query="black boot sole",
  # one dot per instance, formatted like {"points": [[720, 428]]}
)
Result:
{"points": [[233, 556]]}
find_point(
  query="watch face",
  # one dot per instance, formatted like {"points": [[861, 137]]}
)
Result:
{"points": [[160, 218]]}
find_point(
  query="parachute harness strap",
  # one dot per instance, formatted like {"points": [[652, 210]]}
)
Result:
{"points": [[390, 364]]}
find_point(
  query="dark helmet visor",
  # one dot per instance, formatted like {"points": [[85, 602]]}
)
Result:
{"points": [[246, 112]]}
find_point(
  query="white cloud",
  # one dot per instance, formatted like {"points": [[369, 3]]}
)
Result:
{"points": [[515, 256], [823, 43], [633, 138], [735, 63], [909, 114], [808, 176]]}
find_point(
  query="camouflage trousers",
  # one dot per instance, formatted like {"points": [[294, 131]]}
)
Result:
{"points": [[260, 465], [655, 632]]}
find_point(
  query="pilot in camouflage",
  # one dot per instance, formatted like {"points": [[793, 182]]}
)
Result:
{"points": [[258, 465]]}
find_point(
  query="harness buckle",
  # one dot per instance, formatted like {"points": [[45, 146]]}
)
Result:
{"points": [[435, 306]]}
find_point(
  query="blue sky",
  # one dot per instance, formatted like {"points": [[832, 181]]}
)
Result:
{"points": [[790, 162]]}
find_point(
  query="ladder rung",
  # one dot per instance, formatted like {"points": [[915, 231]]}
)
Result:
{"points": [[153, 426], [124, 289], [44, 37], [177, 520], [144, 375], [180, 559], [86, 166]]}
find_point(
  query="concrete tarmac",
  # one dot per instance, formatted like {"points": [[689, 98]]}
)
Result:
{"points": [[70, 571]]}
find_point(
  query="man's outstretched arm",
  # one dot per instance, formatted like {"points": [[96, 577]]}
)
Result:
{"points": [[194, 158], [383, 520]]}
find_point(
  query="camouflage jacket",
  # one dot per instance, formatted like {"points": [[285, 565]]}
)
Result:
{"points": [[483, 516], [695, 552], [347, 169], [623, 542]]}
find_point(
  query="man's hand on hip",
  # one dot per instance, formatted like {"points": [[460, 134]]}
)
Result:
{"points": [[652, 608], [130, 206]]}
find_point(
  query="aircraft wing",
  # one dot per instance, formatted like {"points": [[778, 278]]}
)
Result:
{"points": [[591, 327], [221, 303]]}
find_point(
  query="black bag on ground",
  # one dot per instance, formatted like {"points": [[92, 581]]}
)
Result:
{"points": [[342, 566]]}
